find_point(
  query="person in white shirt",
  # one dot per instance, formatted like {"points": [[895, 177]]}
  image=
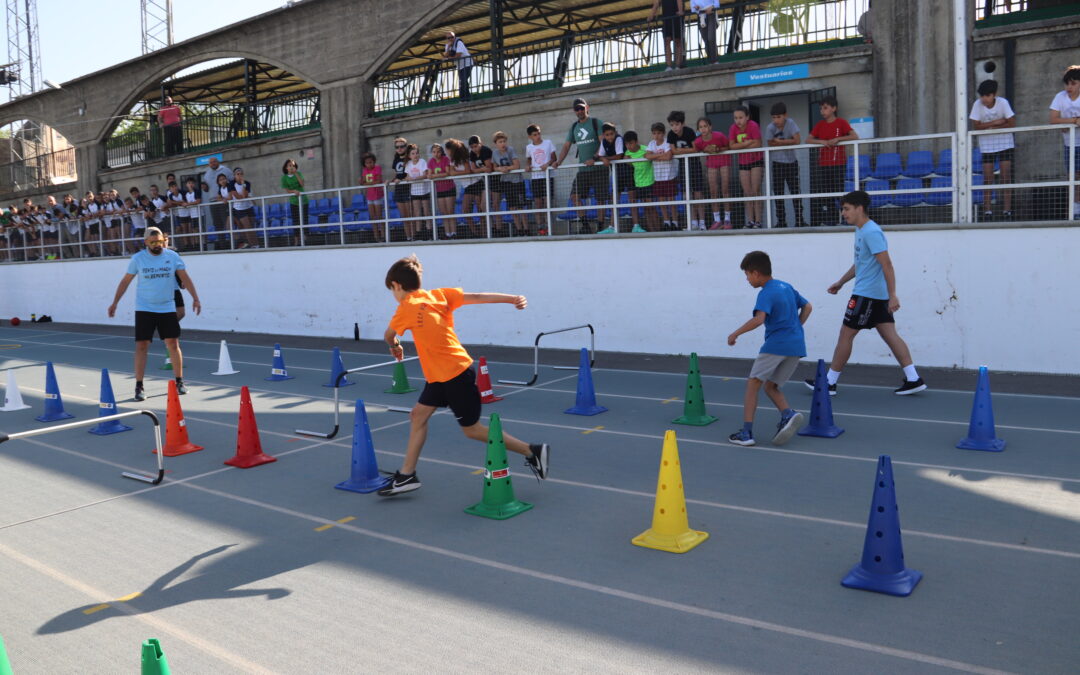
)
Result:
{"points": [[706, 11], [239, 191], [456, 49], [991, 111], [539, 154], [1065, 109], [416, 172], [664, 171]]}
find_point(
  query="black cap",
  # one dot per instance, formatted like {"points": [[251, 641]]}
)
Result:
{"points": [[580, 101]]}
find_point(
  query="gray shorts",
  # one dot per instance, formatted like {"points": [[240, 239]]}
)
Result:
{"points": [[774, 368]]}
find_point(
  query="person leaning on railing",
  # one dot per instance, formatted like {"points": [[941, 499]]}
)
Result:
{"points": [[1065, 109], [292, 181]]}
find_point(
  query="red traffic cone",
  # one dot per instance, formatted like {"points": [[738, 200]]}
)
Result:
{"points": [[483, 383], [248, 446], [176, 436]]}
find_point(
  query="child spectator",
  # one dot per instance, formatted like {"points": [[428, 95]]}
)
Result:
{"points": [[832, 160], [222, 195], [991, 111], [243, 208], [371, 176], [717, 169], [643, 184], [539, 154], [1065, 109], [612, 149], [114, 221], [416, 172], [783, 311], [510, 185], [402, 192], [137, 214], [681, 138], [743, 134], [460, 166], [90, 215], [659, 153], [784, 165], [479, 164], [193, 196], [445, 193], [671, 18]]}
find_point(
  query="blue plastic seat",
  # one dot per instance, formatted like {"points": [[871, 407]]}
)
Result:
{"points": [[944, 163], [976, 158], [887, 166], [864, 168], [275, 211], [940, 198], [910, 198], [879, 193], [920, 163]]}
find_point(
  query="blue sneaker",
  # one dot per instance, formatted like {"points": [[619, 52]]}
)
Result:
{"points": [[740, 437], [787, 428]]}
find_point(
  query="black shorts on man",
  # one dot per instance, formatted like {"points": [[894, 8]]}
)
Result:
{"points": [[459, 394], [865, 312], [165, 323]]}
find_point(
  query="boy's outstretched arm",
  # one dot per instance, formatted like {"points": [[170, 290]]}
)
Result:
{"points": [[804, 313], [391, 338], [759, 318], [517, 301]]}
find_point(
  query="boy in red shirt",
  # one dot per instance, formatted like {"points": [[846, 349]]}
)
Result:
{"points": [[451, 381], [832, 160]]}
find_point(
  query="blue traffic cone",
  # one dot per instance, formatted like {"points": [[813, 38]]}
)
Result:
{"points": [[277, 369], [882, 567], [106, 408], [821, 421], [54, 405], [981, 430], [365, 475], [586, 395], [337, 367]]}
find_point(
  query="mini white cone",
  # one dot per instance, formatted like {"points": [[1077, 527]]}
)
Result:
{"points": [[224, 366], [12, 397]]}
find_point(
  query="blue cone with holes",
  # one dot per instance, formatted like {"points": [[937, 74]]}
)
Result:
{"points": [[981, 434], [364, 476], [106, 408], [54, 404], [585, 403], [337, 367], [882, 566], [821, 421], [278, 372]]}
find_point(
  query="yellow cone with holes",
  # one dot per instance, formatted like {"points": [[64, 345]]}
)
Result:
{"points": [[670, 529]]}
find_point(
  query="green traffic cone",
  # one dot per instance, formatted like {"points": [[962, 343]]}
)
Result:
{"points": [[694, 405], [498, 501], [153, 659], [167, 365], [5, 665], [401, 381]]}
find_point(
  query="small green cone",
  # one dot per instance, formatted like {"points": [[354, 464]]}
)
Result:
{"points": [[167, 365], [694, 405], [153, 659], [5, 665], [401, 381], [498, 501]]}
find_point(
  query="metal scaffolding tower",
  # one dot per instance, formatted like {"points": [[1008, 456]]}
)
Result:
{"points": [[157, 25], [24, 47]]}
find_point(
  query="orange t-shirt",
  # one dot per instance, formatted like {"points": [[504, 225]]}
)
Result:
{"points": [[430, 317]]}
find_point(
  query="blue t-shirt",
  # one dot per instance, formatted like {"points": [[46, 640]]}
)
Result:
{"points": [[156, 275], [869, 277], [783, 332]]}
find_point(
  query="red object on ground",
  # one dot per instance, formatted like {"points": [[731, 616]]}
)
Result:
{"points": [[176, 436], [483, 383], [248, 446], [15, 321]]}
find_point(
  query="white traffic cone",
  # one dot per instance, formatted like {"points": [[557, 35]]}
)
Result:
{"points": [[12, 397], [224, 364]]}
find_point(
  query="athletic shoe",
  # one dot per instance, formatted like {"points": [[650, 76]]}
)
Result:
{"points": [[787, 428], [399, 484], [740, 437], [139, 395], [909, 387], [538, 462], [716, 226], [180, 388], [1007, 216], [638, 228], [988, 216], [607, 230], [810, 383]]}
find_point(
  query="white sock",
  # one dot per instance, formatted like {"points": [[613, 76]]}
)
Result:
{"points": [[910, 374], [832, 376], [727, 216], [716, 216]]}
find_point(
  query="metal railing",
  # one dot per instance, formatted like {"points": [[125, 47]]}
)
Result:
{"points": [[911, 180], [38, 172]]}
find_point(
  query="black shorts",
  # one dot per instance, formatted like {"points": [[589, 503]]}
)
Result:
{"points": [[513, 193], [422, 198], [697, 176], [94, 229], [166, 324], [539, 187], [1000, 156], [672, 27], [402, 192], [624, 177], [594, 179], [179, 297], [643, 194], [760, 164], [476, 188], [443, 194], [866, 312], [460, 394]]}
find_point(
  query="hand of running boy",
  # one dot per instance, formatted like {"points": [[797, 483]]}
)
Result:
{"points": [[520, 302]]}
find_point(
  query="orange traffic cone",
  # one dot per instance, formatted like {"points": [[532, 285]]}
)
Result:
{"points": [[248, 446], [483, 383], [176, 437]]}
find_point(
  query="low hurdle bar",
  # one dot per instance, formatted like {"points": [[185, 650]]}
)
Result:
{"points": [[337, 398], [97, 420], [536, 354]]}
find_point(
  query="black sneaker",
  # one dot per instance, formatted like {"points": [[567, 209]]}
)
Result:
{"points": [[810, 383], [740, 437], [538, 462], [180, 388], [909, 387], [399, 484], [139, 395], [787, 428]]}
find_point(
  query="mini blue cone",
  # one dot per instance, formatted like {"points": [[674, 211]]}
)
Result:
{"points": [[278, 371], [821, 421], [586, 395], [54, 405], [365, 475], [981, 430], [337, 367], [106, 408], [882, 567]]}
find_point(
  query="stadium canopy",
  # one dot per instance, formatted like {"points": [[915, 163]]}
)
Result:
{"points": [[240, 81]]}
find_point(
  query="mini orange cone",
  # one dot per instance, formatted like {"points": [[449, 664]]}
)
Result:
{"points": [[483, 383], [248, 446], [176, 436]]}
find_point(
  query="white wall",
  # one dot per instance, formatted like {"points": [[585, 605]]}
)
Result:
{"points": [[1003, 297]]}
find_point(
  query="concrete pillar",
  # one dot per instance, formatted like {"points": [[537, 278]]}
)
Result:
{"points": [[89, 158], [343, 109]]}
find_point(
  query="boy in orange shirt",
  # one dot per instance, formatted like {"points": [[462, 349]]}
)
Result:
{"points": [[451, 381]]}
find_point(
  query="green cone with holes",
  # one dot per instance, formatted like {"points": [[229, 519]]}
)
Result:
{"points": [[5, 665], [401, 381], [694, 403], [153, 658], [498, 501]]}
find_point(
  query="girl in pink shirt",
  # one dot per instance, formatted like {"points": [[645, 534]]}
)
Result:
{"points": [[371, 176], [445, 193], [746, 133], [717, 168]]}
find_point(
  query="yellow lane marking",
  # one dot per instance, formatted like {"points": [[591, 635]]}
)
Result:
{"points": [[477, 472], [324, 528], [347, 519], [589, 431], [673, 398], [96, 608], [10, 346], [126, 598]]}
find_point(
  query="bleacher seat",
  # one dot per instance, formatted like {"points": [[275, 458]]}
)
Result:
{"points": [[879, 192], [910, 198], [940, 198], [275, 211], [944, 163], [920, 163], [864, 168], [887, 166], [320, 207], [976, 159]]}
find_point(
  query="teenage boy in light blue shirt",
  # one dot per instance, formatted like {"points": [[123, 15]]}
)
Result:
{"points": [[783, 311]]}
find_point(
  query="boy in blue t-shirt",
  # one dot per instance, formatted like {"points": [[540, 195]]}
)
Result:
{"points": [[783, 311]]}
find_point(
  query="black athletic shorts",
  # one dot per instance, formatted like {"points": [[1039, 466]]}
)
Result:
{"points": [[179, 297], [476, 188], [760, 164], [591, 178], [402, 193], [460, 394], [999, 156], [166, 324], [697, 176], [866, 312]]}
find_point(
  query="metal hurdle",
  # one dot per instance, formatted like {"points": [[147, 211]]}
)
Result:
{"points": [[337, 398], [536, 354], [97, 420]]}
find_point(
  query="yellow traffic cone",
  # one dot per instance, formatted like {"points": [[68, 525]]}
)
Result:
{"points": [[670, 529]]}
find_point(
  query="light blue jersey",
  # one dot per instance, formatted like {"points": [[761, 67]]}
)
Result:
{"points": [[869, 277], [156, 276]]}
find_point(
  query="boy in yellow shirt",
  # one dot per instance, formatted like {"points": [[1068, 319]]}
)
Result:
{"points": [[451, 380]]}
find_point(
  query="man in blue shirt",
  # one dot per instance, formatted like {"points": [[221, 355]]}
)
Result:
{"points": [[783, 311], [157, 269], [873, 299]]}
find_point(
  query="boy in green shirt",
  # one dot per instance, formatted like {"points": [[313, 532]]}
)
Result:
{"points": [[643, 182]]}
